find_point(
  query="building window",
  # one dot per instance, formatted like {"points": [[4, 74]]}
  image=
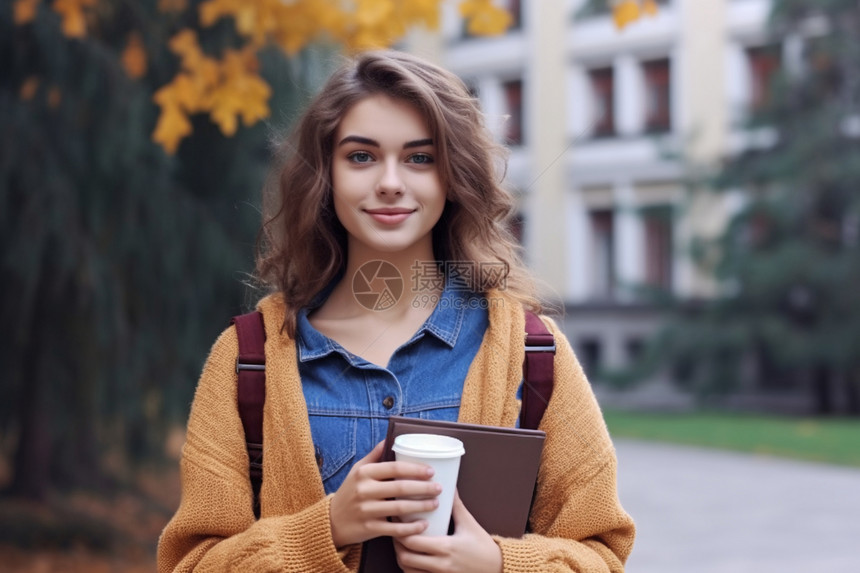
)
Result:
{"points": [[658, 109], [602, 254], [764, 62], [514, 102], [603, 109], [822, 62], [516, 9], [590, 355], [657, 222], [634, 348]]}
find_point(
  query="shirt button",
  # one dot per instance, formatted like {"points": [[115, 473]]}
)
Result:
{"points": [[388, 402]]}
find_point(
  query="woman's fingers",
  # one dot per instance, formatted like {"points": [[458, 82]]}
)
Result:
{"points": [[397, 470], [374, 491], [401, 487], [398, 507], [469, 549]]}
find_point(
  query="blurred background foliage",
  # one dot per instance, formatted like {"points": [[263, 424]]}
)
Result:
{"points": [[787, 264], [129, 204]]}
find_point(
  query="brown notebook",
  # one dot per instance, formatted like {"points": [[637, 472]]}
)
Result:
{"points": [[496, 481]]}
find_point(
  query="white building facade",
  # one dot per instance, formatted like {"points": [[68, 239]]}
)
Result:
{"points": [[604, 125]]}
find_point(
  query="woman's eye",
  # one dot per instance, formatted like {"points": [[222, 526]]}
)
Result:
{"points": [[421, 158], [360, 157]]}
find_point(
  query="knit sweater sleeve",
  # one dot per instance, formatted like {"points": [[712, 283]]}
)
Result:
{"points": [[577, 521], [214, 528]]}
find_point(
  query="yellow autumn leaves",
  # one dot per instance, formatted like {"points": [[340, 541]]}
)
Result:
{"points": [[228, 86], [73, 14], [626, 11], [133, 57], [228, 89]]}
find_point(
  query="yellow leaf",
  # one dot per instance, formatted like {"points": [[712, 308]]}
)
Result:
{"points": [[297, 23], [172, 127], [625, 12], [55, 97], [134, 58], [370, 12], [168, 6], [267, 15], [333, 20], [184, 44], [212, 10], [364, 39], [189, 92], [165, 95], [184, 92], [24, 11], [484, 17], [246, 19], [200, 72], [649, 7], [74, 23], [421, 11], [471, 7], [242, 92], [29, 88]]}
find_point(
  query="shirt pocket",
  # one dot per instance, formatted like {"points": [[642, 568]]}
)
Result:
{"points": [[334, 446], [444, 410]]}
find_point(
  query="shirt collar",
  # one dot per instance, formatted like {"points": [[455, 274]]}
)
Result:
{"points": [[447, 318], [444, 322], [312, 343]]}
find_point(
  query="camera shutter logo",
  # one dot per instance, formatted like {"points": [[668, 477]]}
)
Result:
{"points": [[377, 285]]}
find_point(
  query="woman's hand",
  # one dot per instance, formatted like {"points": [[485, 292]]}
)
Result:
{"points": [[470, 549], [360, 507]]}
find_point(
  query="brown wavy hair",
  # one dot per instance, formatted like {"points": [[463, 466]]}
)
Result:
{"points": [[302, 245]]}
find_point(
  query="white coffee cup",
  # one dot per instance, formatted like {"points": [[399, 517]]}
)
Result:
{"points": [[442, 453]]}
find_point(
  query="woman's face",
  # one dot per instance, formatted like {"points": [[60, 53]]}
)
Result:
{"points": [[387, 190]]}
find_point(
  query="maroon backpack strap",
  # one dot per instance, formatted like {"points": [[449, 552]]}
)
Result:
{"points": [[251, 390], [537, 371]]}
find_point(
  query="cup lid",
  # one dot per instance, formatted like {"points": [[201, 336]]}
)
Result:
{"points": [[428, 446]]}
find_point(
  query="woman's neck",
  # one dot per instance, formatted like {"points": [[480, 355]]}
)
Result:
{"points": [[387, 283]]}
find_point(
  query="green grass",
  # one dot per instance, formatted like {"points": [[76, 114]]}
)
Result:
{"points": [[835, 441]]}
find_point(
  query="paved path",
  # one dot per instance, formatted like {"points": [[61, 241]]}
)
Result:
{"points": [[711, 511]]}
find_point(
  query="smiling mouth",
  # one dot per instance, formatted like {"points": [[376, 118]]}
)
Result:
{"points": [[389, 216]]}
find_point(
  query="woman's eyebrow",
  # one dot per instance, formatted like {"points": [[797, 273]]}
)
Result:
{"points": [[374, 143], [358, 139], [418, 143]]}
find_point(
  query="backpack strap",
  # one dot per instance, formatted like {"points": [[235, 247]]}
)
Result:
{"points": [[537, 371], [251, 392]]}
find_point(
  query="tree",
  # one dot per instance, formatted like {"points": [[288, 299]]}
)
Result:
{"points": [[117, 257], [227, 85], [788, 262]]}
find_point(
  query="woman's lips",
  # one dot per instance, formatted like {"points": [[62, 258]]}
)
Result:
{"points": [[389, 216]]}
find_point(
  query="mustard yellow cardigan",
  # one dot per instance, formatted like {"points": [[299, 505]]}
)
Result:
{"points": [[578, 521]]}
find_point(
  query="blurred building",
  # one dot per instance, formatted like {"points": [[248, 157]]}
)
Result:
{"points": [[604, 124]]}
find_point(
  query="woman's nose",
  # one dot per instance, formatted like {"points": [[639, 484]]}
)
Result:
{"points": [[390, 182]]}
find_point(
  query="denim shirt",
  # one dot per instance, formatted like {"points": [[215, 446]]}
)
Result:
{"points": [[350, 399]]}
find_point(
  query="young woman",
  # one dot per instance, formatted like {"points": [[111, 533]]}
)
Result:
{"points": [[397, 290]]}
